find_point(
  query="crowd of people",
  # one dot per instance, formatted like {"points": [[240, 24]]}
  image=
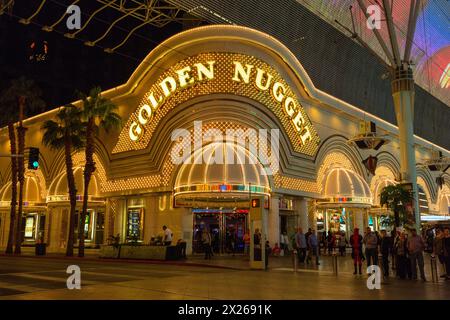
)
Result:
{"points": [[401, 252]]}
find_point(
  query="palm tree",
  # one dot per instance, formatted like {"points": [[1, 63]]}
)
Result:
{"points": [[395, 197], [67, 133], [22, 95], [98, 113]]}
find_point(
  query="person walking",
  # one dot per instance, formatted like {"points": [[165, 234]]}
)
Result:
{"points": [[438, 249], [331, 241], [257, 251], [356, 244], [246, 240], [401, 258], [394, 236], [168, 235], [342, 244], [446, 245], [307, 234], [416, 246], [385, 248], [313, 244], [206, 241], [284, 243], [300, 242], [370, 240]]}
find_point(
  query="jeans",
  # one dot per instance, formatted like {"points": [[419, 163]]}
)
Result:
{"points": [[386, 265], [417, 258], [371, 256], [208, 250], [301, 254], [313, 252]]}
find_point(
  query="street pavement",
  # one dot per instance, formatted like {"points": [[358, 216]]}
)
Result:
{"points": [[224, 277]]}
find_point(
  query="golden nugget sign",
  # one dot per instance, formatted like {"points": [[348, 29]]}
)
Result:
{"points": [[212, 73]]}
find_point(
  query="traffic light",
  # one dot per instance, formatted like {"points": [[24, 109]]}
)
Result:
{"points": [[33, 159]]}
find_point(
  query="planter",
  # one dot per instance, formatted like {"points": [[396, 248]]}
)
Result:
{"points": [[111, 252], [126, 251], [143, 252]]}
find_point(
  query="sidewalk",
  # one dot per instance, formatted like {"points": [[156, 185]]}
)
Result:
{"points": [[237, 262]]}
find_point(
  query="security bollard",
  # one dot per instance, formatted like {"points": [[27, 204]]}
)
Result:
{"points": [[434, 272], [294, 257], [334, 264]]}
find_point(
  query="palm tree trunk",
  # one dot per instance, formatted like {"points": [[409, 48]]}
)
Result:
{"points": [[12, 139], [88, 170], [72, 196], [397, 219], [21, 175]]}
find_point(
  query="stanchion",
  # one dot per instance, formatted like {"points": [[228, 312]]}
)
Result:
{"points": [[334, 264], [294, 260], [434, 272]]}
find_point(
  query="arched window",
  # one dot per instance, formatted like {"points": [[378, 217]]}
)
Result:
{"points": [[423, 201]]}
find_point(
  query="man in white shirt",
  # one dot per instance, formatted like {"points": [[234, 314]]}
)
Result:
{"points": [[167, 236]]}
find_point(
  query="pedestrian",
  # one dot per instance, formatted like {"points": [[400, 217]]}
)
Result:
{"points": [[324, 242], [313, 247], [268, 250], [232, 235], [446, 246], [438, 249], [284, 243], [394, 236], [356, 244], [246, 240], [307, 234], [416, 246], [300, 242], [401, 257], [370, 241], [342, 244], [257, 251], [206, 241], [168, 235], [385, 248], [331, 240]]}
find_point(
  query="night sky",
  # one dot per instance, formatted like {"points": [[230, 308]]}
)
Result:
{"points": [[71, 65]]}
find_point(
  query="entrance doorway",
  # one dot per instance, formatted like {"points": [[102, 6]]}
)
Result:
{"points": [[227, 228]]}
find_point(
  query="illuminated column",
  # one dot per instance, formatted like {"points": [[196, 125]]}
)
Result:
{"points": [[120, 219], [274, 220], [403, 94], [312, 219], [301, 210], [359, 220]]}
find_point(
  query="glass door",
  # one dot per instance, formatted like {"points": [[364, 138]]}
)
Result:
{"points": [[135, 219]]}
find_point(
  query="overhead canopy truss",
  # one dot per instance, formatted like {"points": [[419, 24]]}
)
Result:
{"points": [[156, 13]]}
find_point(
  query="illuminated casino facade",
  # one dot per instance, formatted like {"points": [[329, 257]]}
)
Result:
{"points": [[227, 77]]}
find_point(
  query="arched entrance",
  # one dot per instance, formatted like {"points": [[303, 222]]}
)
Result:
{"points": [[346, 200], [59, 206], [34, 210], [216, 182]]}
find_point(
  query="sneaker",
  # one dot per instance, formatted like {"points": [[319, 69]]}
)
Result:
{"points": [[444, 276]]}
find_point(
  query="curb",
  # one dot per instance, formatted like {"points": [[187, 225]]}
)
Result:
{"points": [[140, 261]]}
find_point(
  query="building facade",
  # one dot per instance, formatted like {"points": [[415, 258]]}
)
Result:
{"points": [[204, 83]]}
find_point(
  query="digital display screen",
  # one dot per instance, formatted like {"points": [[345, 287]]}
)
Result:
{"points": [[29, 227]]}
